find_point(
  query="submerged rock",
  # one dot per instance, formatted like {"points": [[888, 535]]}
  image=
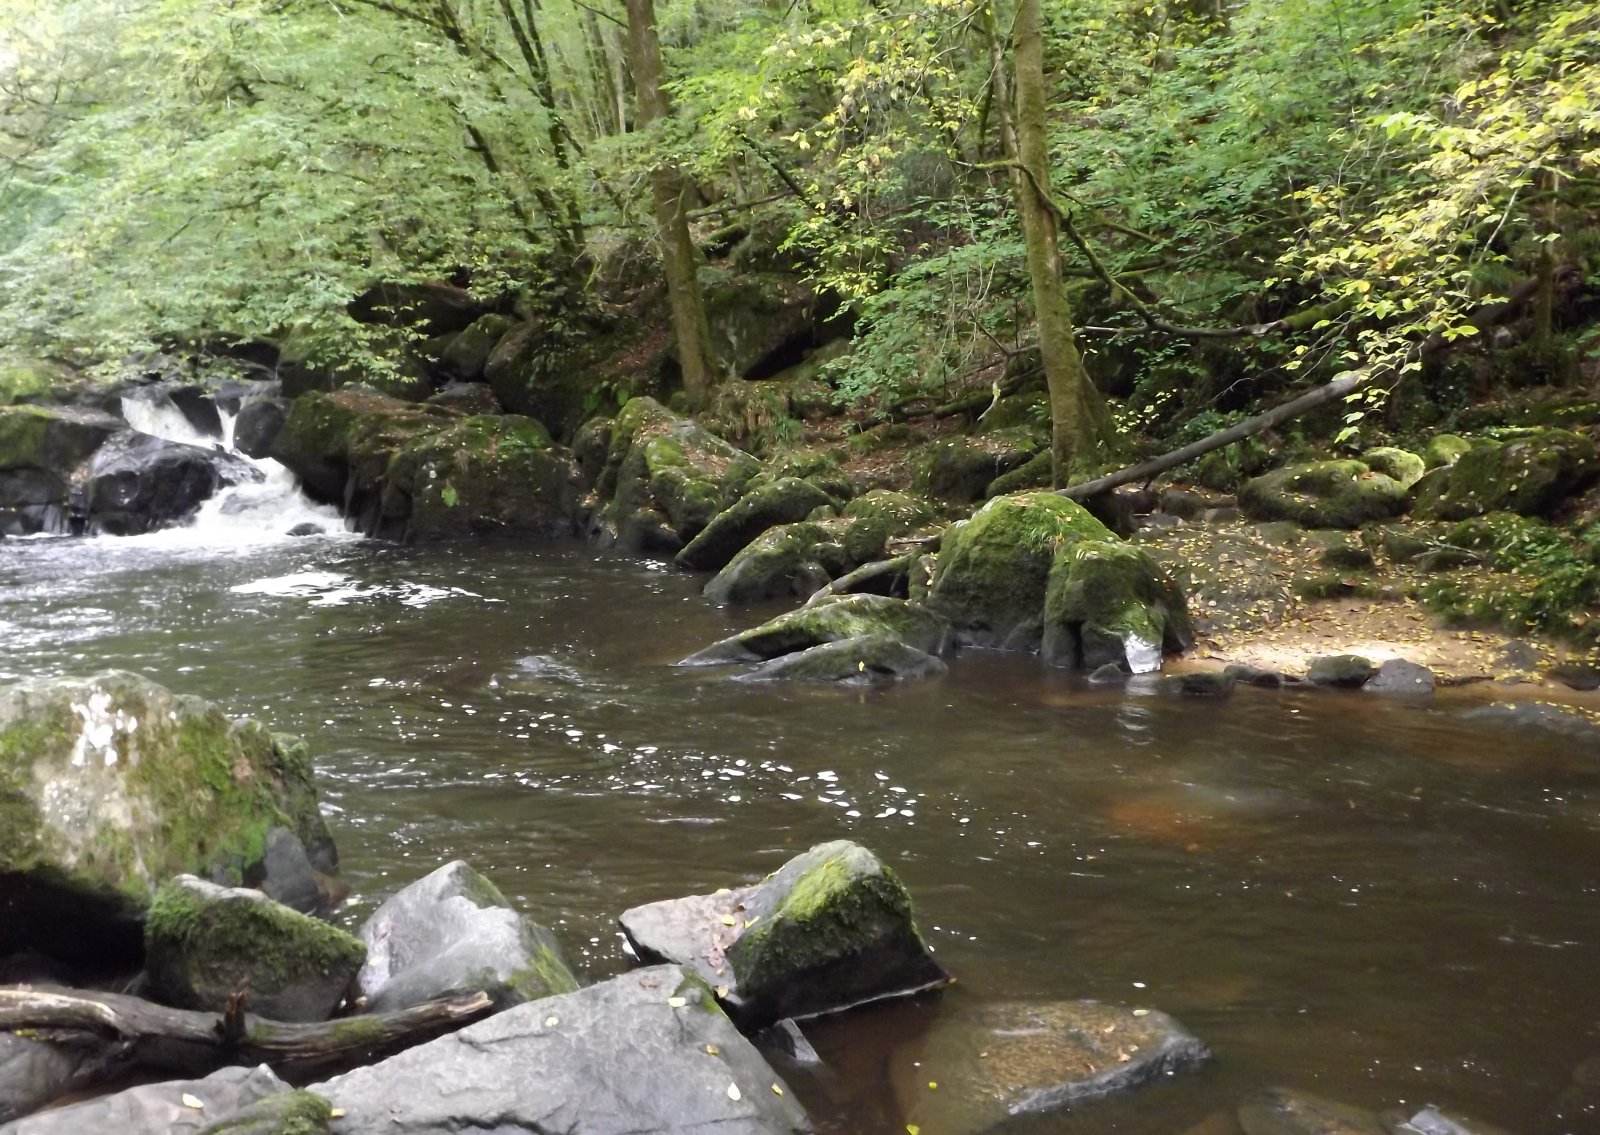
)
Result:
{"points": [[831, 929], [994, 569], [1436, 1121], [1280, 1111], [649, 1051], [204, 942], [982, 1066], [848, 616], [1323, 494], [1556, 718], [160, 1109], [112, 784], [454, 932], [859, 661]]}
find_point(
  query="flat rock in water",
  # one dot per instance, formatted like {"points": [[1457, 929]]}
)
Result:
{"points": [[1436, 1121], [830, 929], [454, 932], [1280, 1111], [649, 1051], [981, 1066], [158, 1109], [1341, 671], [854, 661], [1557, 719], [1397, 676]]}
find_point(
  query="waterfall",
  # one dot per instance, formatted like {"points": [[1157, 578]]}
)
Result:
{"points": [[243, 515]]}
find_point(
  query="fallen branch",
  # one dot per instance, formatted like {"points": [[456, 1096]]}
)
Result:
{"points": [[847, 583], [192, 1042], [1486, 316]]}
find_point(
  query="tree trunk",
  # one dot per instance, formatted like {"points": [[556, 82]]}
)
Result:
{"points": [[1075, 427], [678, 256]]}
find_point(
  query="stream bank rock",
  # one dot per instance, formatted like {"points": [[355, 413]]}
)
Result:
{"points": [[647, 1051], [862, 660], [1107, 602], [203, 942], [413, 471], [830, 620], [454, 932], [1531, 475], [784, 501], [831, 929], [666, 477], [982, 1066], [111, 784], [41, 448], [159, 1109], [34, 1072], [1323, 494]]}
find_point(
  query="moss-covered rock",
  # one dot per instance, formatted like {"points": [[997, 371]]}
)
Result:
{"points": [[791, 559], [961, 469], [878, 516], [668, 473], [41, 449], [1399, 464], [862, 660], [1531, 474], [1038, 472], [831, 620], [1110, 602], [1341, 671], [204, 942], [469, 350], [290, 1113], [784, 501], [1444, 449], [760, 322], [429, 472], [994, 568], [1323, 494], [831, 929], [453, 932]]}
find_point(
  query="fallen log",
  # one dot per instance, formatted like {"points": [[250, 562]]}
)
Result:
{"points": [[190, 1042], [866, 573]]}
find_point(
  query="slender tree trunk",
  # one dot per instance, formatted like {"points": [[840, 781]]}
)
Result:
{"points": [[1074, 423], [678, 256]]}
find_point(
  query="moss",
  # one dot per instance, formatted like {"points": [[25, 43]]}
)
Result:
{"points": [[1531, 473], [358, 1032], [547, 975], [993, 570], [256, 935], [1101, 594], [1323, 494], [23, 432], [1443, 450], [1400, 464], [289, 1113]]}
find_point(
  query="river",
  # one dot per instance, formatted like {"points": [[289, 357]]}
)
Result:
{"points": [[1375, 900]]}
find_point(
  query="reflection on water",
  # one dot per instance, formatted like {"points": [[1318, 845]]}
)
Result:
{"points": [[1370, 900]]}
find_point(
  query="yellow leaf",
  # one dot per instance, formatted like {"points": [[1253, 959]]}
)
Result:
{"points": [[776, 1090], [677, 1002], [713, 1050], [733, 1092], [193, 1102]]}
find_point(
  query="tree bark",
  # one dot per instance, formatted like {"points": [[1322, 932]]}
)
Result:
{"points": [[678, 257], [1075, 436]]}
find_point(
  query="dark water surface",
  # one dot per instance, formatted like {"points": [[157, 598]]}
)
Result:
{"points": [[1375, 901]]}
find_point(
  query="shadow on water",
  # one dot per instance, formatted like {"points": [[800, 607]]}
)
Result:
{"points": [[1372, 900]]}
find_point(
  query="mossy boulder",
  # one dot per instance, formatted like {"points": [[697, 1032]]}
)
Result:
{"points": [[1444, 449], [111, 784], [25, 379], [1531, 474], [204, 942], [1340, 671], [41, 449], [961, 469], [454, 932], [994, 568], [667, 474], [760, 322], [1323, 494], [555, 382], [429, 472], [859, 661], [831, 620], [468, 351], [880, 515], [1398, 464], [1038, 472], [791, 559], [831, 929], [784, 501], [1110, 602]]}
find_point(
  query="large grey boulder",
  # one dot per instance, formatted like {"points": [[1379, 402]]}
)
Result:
{"points": [[454, 932], [981, 1066], [158, 1109], [849, 616], [34, 1072], [137, 482], [203, 942], [649, 1051], [831, 929], [112, 784]]}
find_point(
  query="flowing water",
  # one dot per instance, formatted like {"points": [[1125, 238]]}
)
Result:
{"points": [[1372, 900]]}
